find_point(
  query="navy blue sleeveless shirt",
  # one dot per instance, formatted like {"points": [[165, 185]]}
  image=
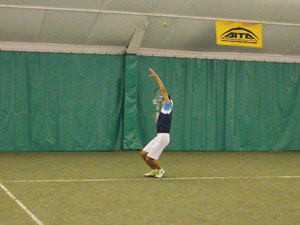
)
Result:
{"points": [[165, 118]]}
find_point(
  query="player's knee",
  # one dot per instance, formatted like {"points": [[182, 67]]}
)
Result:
{"points": [[143, 154]]}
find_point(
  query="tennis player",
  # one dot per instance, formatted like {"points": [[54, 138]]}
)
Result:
{"points": [[154, 148]]}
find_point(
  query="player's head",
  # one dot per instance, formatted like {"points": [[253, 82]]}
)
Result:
{"points": [[169, 97]]}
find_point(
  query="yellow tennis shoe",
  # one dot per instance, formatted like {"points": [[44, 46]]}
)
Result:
{"points": [[160, 173], [152, 173]]}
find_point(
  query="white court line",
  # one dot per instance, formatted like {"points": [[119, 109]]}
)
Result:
{"points": [[151, 179], [21, 205]]}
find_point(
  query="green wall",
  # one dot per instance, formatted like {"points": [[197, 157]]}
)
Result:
{"points": [[78, 102], [219, 104], [65, 102]]}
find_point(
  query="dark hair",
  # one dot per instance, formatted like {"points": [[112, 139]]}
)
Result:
{"points": [[169, 97]]}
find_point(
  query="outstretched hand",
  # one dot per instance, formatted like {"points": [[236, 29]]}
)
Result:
{"points": [[153, 74]]}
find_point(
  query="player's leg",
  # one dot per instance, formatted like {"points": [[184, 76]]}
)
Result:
{"points": [[164, 140], [160, 143], [156, 171], [160, 172], [154, 149], [153, 162], [153, 171], [144, 156]]}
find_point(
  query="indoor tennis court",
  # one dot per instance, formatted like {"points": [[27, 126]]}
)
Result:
{"points": [[107, 188], [209, 90]]}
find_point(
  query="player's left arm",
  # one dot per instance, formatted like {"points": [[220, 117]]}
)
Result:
{"points": [[161, 86]]}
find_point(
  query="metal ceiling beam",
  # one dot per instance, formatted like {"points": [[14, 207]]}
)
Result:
{"points": [[220, 55], [146, 14], [61, 48], [84, 49], [137, 38]]}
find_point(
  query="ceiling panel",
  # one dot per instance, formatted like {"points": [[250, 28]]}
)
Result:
{"points": [[129, 5], [191, 7], [169, 6], [156, 34], [235, 9], [280, 40], [66, 27], [86, 4], [19, 24], [258, 10], [181, 34], [114, 31], [24, 3], [289, 12]]}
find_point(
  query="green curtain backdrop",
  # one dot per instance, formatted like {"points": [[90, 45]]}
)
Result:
{"points": [[130, 110], [58, 102], [78, 102], [263, 106], [221, 104]]}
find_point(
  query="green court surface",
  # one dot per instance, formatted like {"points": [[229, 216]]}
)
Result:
{"points": [[232, 188]]}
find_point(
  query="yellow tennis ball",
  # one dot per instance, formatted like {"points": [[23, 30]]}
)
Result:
{"points": [[165, 25]]}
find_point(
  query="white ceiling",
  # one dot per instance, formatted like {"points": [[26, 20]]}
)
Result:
{"points": [[191, 23]]}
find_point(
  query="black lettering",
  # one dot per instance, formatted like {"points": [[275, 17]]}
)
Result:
{"points": [[230, 35], [241, 35], [249, 36]]}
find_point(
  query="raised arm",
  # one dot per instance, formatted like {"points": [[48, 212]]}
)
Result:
{"points": [[161, 86]]}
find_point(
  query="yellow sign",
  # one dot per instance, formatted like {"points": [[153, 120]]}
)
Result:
{"points": [[239, 34]]}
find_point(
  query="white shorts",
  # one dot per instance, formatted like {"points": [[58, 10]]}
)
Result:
{"points": [[157, 145]]}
